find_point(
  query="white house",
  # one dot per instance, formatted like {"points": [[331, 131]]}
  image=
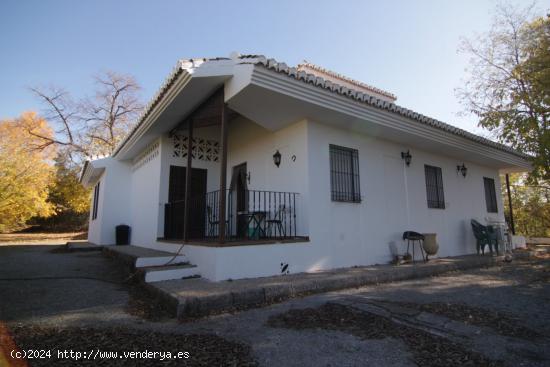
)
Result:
{"points": [[293, 169]]}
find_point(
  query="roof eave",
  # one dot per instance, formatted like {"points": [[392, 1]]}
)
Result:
{"points": [[91, 172], [173, 81], [309, 79], [387, 115], [202, 72]]}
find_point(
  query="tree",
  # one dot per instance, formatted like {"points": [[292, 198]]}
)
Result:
{"points": [[26, 172], [531, 207], [65, 192], [508, 83], [69, 199], [94, 125]]}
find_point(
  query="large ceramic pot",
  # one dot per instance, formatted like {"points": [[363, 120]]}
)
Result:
{"points": [[430, 243]]}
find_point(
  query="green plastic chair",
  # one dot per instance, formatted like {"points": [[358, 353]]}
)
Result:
{"points": [[485, 236]]}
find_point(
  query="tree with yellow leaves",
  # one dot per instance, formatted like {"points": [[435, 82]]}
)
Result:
{"points": [[25, 171], [71, 201]]}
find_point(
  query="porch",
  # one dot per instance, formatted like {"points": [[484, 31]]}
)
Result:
{"points": [[251, 217], [220, 186]]}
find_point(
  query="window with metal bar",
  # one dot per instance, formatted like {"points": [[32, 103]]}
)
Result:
{"points": [[490, 195], [344, 174], [434, 187], [96, 201]]}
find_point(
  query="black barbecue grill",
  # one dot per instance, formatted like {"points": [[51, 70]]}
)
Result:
{"points": [[414, 238]]}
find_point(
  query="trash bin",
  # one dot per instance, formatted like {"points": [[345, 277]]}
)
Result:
{"points": [[122, 234]]}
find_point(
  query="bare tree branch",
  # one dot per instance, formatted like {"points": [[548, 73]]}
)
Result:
{"points": [[94, 125]]}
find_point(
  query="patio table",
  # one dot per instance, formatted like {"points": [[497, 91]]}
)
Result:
{"points": [[255, 218]]}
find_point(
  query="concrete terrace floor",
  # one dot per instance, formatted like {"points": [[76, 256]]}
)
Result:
{"points": [[41, 286], [201, 297]]}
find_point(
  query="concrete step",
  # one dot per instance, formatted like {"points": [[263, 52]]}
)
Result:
{"points": [[200, 297], [170, 272], [139, 257], [75, 246], [143, 262]]}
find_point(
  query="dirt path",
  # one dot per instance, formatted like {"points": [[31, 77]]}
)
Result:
{"points": [[40, 238]]}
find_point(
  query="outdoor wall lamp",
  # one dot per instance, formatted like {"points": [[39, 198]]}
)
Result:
{"points": [[407, 157], [462, 169], [277, 158]]}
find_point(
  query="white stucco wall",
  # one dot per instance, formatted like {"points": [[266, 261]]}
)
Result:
{"points": [[114, 202], [393, 200], [145, 207], [349, 234], [236, 262], [341, 234], [94, 225], [252, 144]]}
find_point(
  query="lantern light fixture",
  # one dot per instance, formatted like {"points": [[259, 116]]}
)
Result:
{"points": [[277, 158], [462, 169], [407, 157]]}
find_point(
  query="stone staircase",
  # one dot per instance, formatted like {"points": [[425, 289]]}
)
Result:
{"points": [[153, 265]]}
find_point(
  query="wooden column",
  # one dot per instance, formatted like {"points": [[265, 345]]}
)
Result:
{"points": [[188, 178], [223, 172], [512, 226]]}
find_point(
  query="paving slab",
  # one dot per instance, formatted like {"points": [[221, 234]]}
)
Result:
{"points": [[200, 297]]}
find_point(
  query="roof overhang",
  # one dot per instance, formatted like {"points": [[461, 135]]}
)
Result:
{"points": [[275, 100], [274, 96], [92, 171], [190, 83]]}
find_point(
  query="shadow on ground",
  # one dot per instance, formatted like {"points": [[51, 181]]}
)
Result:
{"points": [[71, 294], [38, 281]]}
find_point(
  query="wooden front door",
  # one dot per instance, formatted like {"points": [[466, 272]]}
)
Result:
{"points": [[174, 210]]}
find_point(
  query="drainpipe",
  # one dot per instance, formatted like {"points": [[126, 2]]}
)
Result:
{"points": [[512, 227]]}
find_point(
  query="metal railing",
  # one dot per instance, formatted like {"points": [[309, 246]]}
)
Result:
{"points": [[250, 215]]}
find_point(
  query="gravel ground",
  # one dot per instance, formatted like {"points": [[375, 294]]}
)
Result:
{"points": [[70, 300], [501, 322], [520, 291], [427, 350]]}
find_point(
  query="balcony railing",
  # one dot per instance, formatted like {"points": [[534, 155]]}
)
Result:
{"points": [[250, 215]]}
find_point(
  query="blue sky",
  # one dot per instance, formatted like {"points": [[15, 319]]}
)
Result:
{"points": [[405, 47]]}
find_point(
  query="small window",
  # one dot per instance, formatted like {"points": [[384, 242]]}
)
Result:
{"points": [[434, 187], [96, 201], [344, 174], [490, 195]]}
